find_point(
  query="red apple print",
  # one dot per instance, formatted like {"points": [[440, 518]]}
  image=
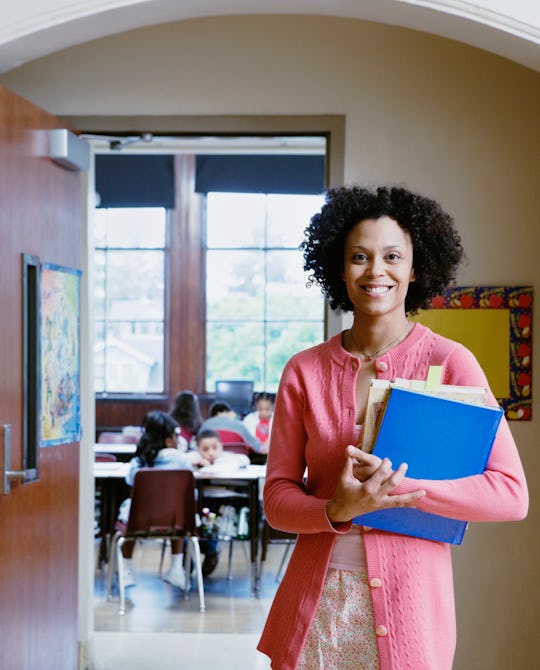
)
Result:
{"points": [[495, 301], [523, 350], [466, 301], [524, 320], [524, 300], [437, 302], [524, 379]]}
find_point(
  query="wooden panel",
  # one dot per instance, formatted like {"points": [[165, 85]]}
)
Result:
{"points": [[40, 215], [187, 286]]}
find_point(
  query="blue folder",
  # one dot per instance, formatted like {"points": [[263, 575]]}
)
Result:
{"points": [[439, 439]]}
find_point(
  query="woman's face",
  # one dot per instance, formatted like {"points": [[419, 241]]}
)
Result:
{"points": [[378, 266]]}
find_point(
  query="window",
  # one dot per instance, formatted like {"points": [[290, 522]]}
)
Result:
{"points": [[258, 309], [129, 299]]}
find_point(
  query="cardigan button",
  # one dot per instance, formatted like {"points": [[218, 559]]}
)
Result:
{"points": [[381, 631], [375, 583], [381, 366]]}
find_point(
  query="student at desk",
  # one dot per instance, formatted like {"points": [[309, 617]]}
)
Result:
{"points": [[223, 418], [158, 447]]}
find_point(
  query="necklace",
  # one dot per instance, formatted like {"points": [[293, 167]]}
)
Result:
{"points": [[370, 355]]}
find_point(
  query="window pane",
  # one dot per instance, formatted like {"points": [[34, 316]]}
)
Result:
{"points": [[288, 216], [235, 220], [100, 293], [133, 357], [99, 356], [132, 228], [234, 351], [286, 291], [285, 339], [135, 285], [234, 285]]}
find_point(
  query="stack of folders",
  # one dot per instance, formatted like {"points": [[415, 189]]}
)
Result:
{"points": [[442, 433]]}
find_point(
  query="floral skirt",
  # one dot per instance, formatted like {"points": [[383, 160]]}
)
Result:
{"points": [[342, 635]]}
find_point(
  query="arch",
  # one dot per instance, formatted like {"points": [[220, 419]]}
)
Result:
{"points": [[36, 29]]}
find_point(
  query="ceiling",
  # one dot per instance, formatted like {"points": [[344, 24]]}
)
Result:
{"points": [[32, 29]]}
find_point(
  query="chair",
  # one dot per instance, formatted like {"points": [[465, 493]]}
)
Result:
{"points": [[237, 392], [105, 458], [162, 507], [117, 438], [233, 442], [269, 536]]}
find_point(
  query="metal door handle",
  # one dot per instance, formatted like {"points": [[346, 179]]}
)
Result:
{"points": [[8, 475]]}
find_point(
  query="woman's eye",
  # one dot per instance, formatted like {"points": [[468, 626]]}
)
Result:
{"points": [[359, 258], [393, 256]]}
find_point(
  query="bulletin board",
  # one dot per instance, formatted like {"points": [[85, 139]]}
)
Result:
{"points": [[495, 323]]}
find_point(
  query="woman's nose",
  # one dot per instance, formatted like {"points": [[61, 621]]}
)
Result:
{"points": [[375, 267]]}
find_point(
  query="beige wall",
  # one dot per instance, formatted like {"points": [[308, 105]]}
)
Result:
{"points": [[454, 122]]}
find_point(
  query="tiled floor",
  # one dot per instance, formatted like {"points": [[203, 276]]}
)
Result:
{"points": [[162, 629]]}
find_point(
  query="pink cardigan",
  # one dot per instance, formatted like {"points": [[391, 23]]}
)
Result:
{"points": [[411, 579]]}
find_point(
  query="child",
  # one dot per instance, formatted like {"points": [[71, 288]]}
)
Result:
{"points": [[213, 456], [259, 422], [157, 448], [187, 412], [212, 453]]}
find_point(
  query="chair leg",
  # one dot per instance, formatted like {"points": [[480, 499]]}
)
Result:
{"points": [[163, 546], [194, 542], [229, 566], [121, 579], [111, 565]]}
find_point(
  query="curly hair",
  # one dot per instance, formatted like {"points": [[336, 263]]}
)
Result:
{"points": [[437, 250], [158, 426]]}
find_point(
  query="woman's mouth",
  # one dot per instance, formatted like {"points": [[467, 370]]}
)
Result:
{"points": [[376, 290]]}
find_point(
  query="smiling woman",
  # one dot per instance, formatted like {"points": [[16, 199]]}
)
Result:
{"points": [[382, 254]]}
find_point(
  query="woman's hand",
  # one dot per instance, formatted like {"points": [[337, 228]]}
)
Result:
{"points": [[365, 484], [364, 464]]}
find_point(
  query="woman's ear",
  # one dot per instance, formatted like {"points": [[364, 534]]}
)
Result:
{"points": [[413, 276]]}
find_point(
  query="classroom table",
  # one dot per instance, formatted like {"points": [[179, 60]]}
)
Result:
{"points": [[110, 479], [251, 478], [110, 476], [123, 452]]}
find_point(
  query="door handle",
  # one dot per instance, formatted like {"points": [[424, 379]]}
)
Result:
{"points": [[7, 474]]}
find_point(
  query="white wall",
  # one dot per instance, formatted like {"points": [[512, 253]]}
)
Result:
{"points": [[456, 123]]}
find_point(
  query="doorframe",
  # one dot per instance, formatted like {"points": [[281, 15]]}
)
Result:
{"points": [[331, 126]]}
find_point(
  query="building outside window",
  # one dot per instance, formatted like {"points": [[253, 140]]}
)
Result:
{"points": [[258, 309], [129, 299]]}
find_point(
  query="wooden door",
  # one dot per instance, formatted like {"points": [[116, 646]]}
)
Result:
{"points": [[40, 214]]}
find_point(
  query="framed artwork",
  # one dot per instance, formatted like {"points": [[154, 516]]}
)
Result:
{"points": [[495, 323], [60, 355]]}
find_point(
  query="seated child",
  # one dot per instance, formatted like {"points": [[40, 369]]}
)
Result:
{"points": [[213, 454], [259, 422], [213, 457], [158, 447]]}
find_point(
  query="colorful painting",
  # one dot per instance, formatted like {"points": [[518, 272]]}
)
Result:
{"points": [[60, 355], [495, 323]]}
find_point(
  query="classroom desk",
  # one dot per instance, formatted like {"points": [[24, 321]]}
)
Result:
{"points": [[111, 479], [123, 452], [252, 478]]}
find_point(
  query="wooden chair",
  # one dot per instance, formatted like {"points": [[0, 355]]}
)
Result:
{"points": [[105, 458], [162, 507], [233, 442]]}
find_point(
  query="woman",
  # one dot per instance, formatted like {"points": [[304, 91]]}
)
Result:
{"points": [[353, 597]]}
